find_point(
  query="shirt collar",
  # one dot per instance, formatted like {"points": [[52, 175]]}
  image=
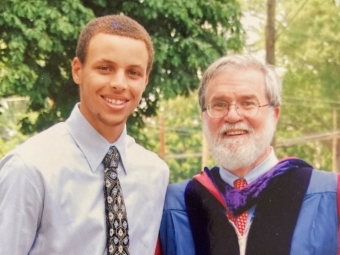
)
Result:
{"points": [[91, 143], [121, 145], [270, 161]]}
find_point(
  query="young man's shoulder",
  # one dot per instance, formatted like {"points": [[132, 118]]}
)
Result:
{"points": [[51, 138], [42, 146], [42, 155]]}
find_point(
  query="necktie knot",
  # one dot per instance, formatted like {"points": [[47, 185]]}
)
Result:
{"points": [[111, 158], [240, 183], [241, 220]]}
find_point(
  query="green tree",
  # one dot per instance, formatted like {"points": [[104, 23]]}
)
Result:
{"points": [[307, 50], [38, 40], [11, 111], [182, 136]]}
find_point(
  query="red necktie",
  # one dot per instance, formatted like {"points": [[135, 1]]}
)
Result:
{"points": [[241, 220]]}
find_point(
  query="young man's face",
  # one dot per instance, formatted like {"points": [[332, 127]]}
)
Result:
{"points": [[111, 81]]}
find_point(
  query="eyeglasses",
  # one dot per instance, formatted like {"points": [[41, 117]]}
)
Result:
{"points": [[246, 108]]}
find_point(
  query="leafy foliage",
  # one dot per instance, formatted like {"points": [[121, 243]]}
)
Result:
{"points": [[11, 111], [38, 40], [308, 48], [182, 133], [308, 52]]}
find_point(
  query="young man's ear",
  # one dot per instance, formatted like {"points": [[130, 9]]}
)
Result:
{"points": [[77, 70], [146, 82]]}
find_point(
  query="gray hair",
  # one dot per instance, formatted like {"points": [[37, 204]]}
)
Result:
{"points": [[273, 83]]}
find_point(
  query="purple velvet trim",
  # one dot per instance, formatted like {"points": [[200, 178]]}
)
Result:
{"points": [[241, 200]]}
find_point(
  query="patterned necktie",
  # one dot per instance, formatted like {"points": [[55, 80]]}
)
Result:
{"points": [[116, 218], [241, 220]]}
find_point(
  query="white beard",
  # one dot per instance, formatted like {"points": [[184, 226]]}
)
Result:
{"points": [[233, 154]]}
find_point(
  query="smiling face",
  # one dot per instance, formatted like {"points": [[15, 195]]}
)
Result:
{"points": [[111, 81], [239, 143]]}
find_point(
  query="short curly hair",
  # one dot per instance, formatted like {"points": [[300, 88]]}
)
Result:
{"points": [[115, 25]]}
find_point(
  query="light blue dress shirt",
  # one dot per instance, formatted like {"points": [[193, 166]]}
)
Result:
{"points": [[51, 192]]}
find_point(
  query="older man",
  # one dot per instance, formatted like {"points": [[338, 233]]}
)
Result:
{"points": [[252, 203]]}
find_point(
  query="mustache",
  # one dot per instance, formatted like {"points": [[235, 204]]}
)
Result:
{"points": [[242, 126]]}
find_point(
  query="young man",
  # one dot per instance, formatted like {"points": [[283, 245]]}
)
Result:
{"points": [[252, 203], [84, 186]]}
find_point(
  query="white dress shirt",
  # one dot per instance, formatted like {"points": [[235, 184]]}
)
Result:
{"points": [[255, 173], [51, 192]]}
